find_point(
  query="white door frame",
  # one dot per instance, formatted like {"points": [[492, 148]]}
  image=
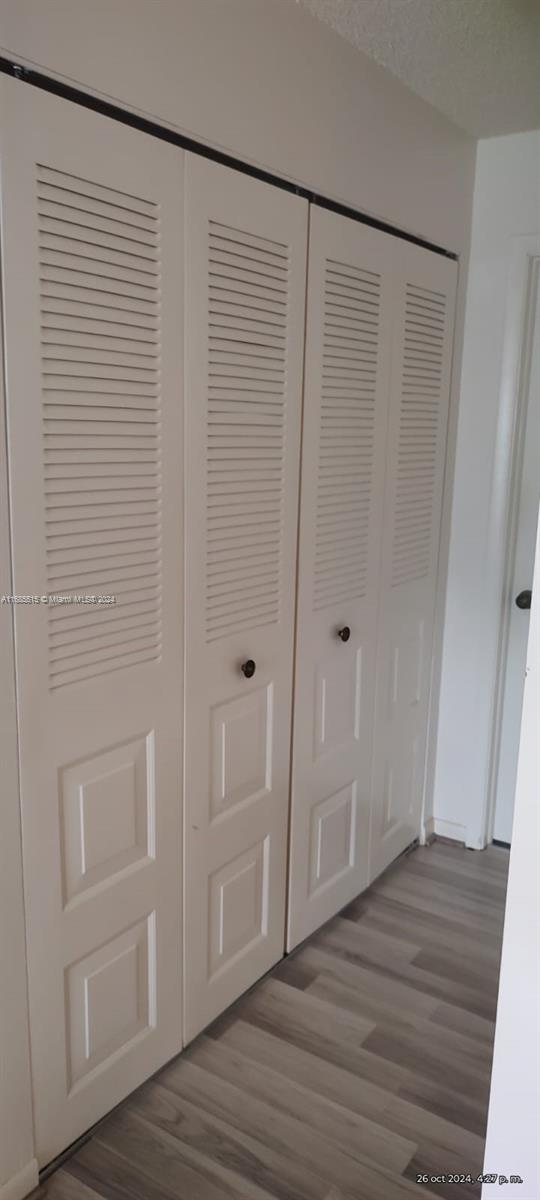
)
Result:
{"points": [[514, 1103], [506, 479]]}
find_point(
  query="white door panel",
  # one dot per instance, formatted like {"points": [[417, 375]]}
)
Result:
{"points": [[245, 284], [424, 291], [343, 461], [523, 529], [92, 264]]}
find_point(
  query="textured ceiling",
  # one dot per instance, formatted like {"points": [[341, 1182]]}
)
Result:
{"points": [[477, 61]]}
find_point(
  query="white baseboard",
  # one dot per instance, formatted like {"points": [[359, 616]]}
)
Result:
{"points": [[435, 826], [21, 1184]]}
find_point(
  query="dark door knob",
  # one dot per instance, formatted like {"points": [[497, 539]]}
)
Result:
{"points": [[248, 668], [524, 599], [344, 633]]}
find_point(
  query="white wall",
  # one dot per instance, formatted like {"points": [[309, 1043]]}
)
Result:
{"points": [[506, 207], [513, 1143], [268, 82]]}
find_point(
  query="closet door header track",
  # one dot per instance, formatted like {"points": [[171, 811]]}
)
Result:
{"points": [[48, 84]]}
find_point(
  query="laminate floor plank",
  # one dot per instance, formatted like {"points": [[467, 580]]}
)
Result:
{"points": [[63, 1186], [226, 1144], [289, 1139], [387, 916], [465, 1022], [372, 980], [215, 1172], [429, 1162], [311, 1024], [450, 1046], [430, 989], [362, 1060], [356, 1135], [424, 1059], [442, 901], [439, 1099], [307, 1069], [488, 887], [427, 1128], [442, 962], [354, 938], [494, 858], [114, 1175], [390, 916]]}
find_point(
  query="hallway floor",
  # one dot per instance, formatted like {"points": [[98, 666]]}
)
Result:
{"points": [[362, 1060]]}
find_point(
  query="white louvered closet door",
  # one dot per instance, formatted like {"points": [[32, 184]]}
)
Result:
{"points": [[245, 295], [345, 411], [91, 249], [424, 297]]}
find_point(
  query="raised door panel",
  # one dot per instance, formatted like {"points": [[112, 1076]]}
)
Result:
{"points": [[421, 362], [92, 264], [345, 411], [245, 295]]}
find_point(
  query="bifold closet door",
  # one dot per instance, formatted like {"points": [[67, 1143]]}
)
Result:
{"points": [[424, 295], [245, 297], [92, 269], [347, 381]]}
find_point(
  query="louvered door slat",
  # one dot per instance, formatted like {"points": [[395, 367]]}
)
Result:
{"points": [[245, 307], [346, 398], [92, 267], [421, 356], [97, 402], [367, 561], [418, 442]]}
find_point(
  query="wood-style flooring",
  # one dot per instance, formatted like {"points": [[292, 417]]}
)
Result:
{"points": [[361, 1061]]}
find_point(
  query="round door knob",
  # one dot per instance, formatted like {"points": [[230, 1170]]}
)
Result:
{"points": [[344, 633], [524, 599], [248, 668]]}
